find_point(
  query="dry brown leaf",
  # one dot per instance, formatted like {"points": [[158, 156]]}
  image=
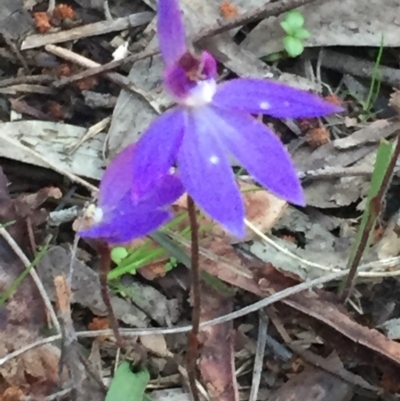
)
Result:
{"points": [[313, 385], [216, 363], [156, 344]]}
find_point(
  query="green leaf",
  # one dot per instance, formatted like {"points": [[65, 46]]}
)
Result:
{"points": [[382, 162], [293, 46], [286, 27], [293, 21], [127, 385], [301, 33], [118, 254]]}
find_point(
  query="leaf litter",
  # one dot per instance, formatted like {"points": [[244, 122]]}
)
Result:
{"points": [[60, 130]]}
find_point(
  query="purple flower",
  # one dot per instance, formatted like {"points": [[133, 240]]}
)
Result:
{"points": [[212, 121], [123, 212]]}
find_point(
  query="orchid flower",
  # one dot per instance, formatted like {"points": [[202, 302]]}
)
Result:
{"points": [[123, 213], [212, 121]]}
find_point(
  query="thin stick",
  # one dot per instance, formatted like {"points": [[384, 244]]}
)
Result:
{"points": [[268, 10], [18, 251], [192, 343], [276, 297], [105, 263]]}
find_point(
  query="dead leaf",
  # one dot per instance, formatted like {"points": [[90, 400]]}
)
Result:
{"points": [[313, 385], [216, 363], [156, 344]]}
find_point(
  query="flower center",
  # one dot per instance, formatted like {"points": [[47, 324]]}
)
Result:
{"points": [[192, 80]]}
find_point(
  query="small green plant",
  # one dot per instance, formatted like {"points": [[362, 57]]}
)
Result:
{"points": [[171, 264], [295, 33]]}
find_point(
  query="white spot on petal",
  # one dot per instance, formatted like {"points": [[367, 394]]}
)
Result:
{"points": [[264, 105], [286, 104], [214, 159]]}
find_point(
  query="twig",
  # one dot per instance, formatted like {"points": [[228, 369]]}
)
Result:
{"points": [[278, 296], [105, 264], [355, 66], [192, 342], [27, 79], [100, 69], [18, 251], [95, 28], [259, 357], [268, 10], [386, 262], [115, 77]]}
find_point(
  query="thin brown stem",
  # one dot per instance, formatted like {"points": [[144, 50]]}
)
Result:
{"points": [[192, 344], [105, 264]]}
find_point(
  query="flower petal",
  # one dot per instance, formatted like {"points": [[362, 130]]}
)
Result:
{"points": [[261, 152], [168, 190], [206, 173], [127, 222], [170, 31], [156, 150], [268, 97], [117, 178]]}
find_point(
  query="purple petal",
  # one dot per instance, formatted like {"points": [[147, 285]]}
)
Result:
{"points": [[156, 150], [127, 222], [170, 31], [207, 174], [117, 178], [166, 192], [258, 96], [260, 151]]}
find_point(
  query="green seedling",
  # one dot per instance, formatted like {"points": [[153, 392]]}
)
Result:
{"points": [[367, 101], [128, 385], [171, 264], [295, 33]]}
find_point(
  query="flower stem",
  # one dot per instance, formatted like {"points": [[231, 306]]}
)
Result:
{"points": [[105, 264], [192, 344]]}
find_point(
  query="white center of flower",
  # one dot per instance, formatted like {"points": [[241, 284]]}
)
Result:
{"points": [[201, 94], [214, 159], [264, 105]]}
